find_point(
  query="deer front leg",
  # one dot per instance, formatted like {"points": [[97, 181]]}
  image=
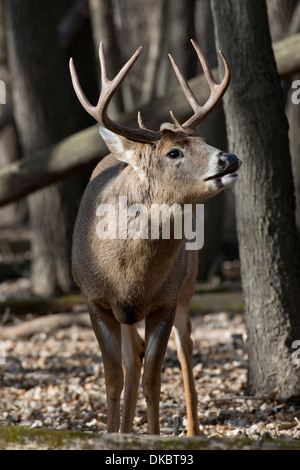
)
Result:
{"points": [[157, 333], [108, 334], [133, 352], [184, 345]]}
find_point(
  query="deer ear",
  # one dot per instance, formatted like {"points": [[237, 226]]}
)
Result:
{"points": [[119, 146]]}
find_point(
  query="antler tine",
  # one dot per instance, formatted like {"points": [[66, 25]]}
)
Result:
{"points": [[175, 121], [217, 90], [108, 89], [78, 90], [114, 84], [206, 69], [140, 121], [104, 78], [185, 86]]}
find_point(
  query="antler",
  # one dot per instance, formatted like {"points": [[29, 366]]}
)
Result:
{"points": [[217, 90], [109, 88]]}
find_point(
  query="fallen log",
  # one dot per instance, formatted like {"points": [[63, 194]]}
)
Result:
{"points": [[229, 302], [216, 302], [45, 324], [42, 306], [287, 55], [206, 302], [84, 149]]}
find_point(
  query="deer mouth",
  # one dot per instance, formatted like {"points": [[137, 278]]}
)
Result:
{"points": [[230, 171]]}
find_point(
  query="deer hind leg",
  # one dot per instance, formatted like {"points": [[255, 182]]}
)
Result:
{"points": [[133, 352], [157, 332], [108, 334], [184, 345]]}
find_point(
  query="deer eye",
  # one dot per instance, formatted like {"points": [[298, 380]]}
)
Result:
{"points": [[175, 153]]}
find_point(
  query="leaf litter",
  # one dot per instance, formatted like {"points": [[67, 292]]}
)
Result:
{"points": [[55, 380]]}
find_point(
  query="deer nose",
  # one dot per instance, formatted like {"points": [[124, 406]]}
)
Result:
{"points": [[228, 160]]}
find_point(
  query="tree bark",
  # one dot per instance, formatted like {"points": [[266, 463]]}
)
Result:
{"points": [[293, 115], [156, 35], [9, 149], [210, 256], [46, 111], [269, 250], [104, 29], [181, 31], [280, 13]]}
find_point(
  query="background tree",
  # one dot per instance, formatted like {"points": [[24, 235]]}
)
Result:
{"points": [[284, 20], [269, 250], [9, 149], [46, 110], [104, 29], [220, 209]]}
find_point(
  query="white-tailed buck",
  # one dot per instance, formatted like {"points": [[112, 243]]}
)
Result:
{"points": [[128, 279]]}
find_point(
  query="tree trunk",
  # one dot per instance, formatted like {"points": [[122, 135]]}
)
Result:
{"points": [[284, 19], [9, 149], [269, 250], [210, 256], [280, 13], [293, 114], [182, 29], [104, 29], [156, 27], [46, 111]]}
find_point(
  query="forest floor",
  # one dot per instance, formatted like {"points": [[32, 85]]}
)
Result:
{"points": [[53, 379]]}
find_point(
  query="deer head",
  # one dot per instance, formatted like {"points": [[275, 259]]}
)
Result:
{"points": [[175, 164]]}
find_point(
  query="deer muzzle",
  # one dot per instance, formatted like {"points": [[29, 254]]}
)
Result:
{"points": [[228, 164]]}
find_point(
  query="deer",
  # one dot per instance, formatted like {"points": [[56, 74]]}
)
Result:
{"points": [[127, 280]]}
